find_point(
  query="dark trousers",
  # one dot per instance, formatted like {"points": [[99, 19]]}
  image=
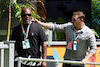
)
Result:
{"points": [[72, 65]]}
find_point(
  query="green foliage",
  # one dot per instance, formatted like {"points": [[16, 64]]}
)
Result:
{"points": [[3, 7], [60, 20], [60, 35], [95, 8], [95, 4], [18, 8], [95, 33]]}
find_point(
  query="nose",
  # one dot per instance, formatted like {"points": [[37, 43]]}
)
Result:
{"points": [[27, 16]]}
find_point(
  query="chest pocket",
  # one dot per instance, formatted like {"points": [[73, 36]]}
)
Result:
{"points": [[82, 38], [33, 35]]}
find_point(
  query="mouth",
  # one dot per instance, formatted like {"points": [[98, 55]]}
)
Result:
{"points": [[27, 21]]}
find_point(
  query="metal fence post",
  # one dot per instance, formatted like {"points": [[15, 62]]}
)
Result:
{"points": [[56, 63], [2, 53], [19, 62], [11, 52], [2, 57]]}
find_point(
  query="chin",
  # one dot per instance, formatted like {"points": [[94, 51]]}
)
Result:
{"points": [[25, 22]]}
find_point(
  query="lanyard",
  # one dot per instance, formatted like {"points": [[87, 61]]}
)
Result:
{"points": [[76, 35], [27, 30]]}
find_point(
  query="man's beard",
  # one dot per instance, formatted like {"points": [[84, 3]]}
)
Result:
{"points": [[27, 22]]}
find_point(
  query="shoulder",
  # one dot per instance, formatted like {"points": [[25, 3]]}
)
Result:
{"points": [[69, 24], [35, 25], [17, 27], [15, 32], [88, 30]]}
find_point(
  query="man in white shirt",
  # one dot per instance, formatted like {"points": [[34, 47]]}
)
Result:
{"points": [[78, 36]]}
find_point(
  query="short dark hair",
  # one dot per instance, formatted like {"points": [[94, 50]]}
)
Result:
{"points": [[80, 13]]}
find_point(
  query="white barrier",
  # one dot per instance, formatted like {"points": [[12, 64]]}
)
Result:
{"points": [[7, 54], [62, 42], [54, 61]]}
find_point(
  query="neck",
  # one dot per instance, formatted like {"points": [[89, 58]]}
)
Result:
{"points": [[25, 25], [79, 27]]}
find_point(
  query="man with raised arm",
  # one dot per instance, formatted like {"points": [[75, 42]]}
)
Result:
{"points": [[78, 36]]}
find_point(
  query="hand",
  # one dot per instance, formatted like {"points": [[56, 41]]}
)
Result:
{"points": [[44, 64], [84, 61], [35, 20]]}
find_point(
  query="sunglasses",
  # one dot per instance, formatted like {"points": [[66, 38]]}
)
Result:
{"points": [[75, 19], [26, 14]]}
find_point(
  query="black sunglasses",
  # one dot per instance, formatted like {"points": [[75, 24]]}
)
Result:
{"points": [[26, 14], [75, 19]]}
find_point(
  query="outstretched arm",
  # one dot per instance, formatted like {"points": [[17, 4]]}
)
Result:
{"points": [[51, 26]]}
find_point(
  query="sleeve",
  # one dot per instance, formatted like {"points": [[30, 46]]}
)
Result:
{"points": [[13, 37], [59, 27], [42, 34], [92, 44]]}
